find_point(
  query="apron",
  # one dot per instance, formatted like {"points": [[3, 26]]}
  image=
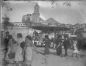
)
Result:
{"points": [[18, 54], [19, 51], [28, 53]]}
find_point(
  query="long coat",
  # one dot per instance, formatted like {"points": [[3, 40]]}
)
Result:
{"points": [[47, 45], [66, 44]]}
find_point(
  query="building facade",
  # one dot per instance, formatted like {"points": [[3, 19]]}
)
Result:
{"points": [[34, 17]]}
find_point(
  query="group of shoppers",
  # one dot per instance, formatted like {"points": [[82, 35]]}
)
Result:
{"points": [[18, 51]]}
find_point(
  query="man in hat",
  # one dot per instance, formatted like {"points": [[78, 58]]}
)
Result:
{"points": [[58, 45], [66, 44], [47, 44], [82, 48], [6, 41], [83, 53]]}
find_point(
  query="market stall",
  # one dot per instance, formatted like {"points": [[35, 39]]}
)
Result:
{"points": [[48, 30]]}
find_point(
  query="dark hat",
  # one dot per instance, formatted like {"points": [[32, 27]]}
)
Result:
{"points": [[7, 33], [19, 35], [46, 36], [10, 36], [29, 37]]}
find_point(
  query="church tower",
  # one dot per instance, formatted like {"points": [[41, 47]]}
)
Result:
{"points": [[36, 9], [36, 13]]}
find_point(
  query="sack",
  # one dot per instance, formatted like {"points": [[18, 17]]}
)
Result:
{"points": [[11, 55]]}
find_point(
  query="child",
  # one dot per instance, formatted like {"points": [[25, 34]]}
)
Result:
{"points": [[75, 52]]}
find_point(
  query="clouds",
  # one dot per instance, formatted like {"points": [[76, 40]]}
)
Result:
{"points": [[44, 4], [64, 15], [19, 9], [74, 14]]}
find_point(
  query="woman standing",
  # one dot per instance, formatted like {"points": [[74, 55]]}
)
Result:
{"points": [[19, 52], [28, 50], [11, 50]]}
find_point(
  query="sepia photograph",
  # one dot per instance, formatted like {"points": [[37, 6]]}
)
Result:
{"points": [[43, 33]]}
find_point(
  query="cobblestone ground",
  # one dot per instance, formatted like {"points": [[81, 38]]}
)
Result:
{"points": [[50, 60]]}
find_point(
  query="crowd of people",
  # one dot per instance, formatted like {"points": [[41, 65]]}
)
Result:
{"points": [[20, 51], [59, 42]]}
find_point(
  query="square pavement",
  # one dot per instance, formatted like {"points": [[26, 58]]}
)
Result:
{"points": [[49, 60]]}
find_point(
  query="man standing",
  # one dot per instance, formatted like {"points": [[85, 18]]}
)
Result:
{"points": [[6, 44], [83, 53], [65, 44], [47, 44], [58, 45], [6, 41]]}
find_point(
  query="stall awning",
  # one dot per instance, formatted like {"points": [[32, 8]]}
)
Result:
{"points": [[50, 28]]}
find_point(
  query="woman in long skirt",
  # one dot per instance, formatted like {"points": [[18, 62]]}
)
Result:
{"points": [[10, 57], [28, 51], [19, 51]]}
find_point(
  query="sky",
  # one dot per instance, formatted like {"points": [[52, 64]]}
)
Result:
{"points": [[62, 13]]}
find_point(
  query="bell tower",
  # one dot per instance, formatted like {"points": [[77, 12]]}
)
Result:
{"points": [[36, 13], [36, 9]]}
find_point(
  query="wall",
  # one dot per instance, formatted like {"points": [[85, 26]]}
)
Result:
{"points": [[24, 30]]}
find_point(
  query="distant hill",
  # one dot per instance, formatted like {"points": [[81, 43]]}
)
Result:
{"points": [[52, 21]]}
